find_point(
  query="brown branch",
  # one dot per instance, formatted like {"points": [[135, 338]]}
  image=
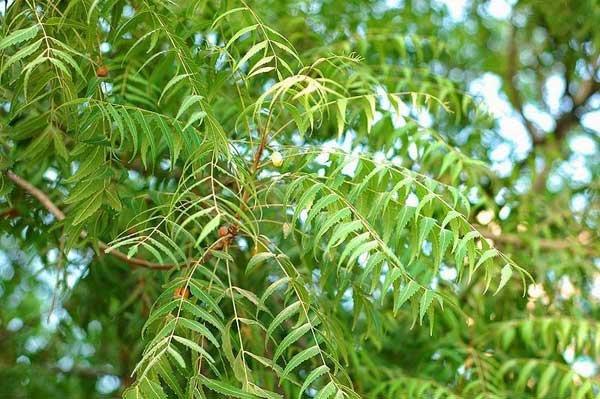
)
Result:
{"points": [[134, 261], [544, 243], [58, 214], [513, 92], [37, 193], [567, 120], [563, 126], [255, 167], [9, 213]]}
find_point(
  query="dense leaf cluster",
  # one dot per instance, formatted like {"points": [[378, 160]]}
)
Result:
{"points": [[292, 200]]}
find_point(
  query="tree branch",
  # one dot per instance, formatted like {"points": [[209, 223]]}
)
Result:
{"points": [[513, 92], [567, 120], [544, 243], [52, 208]]}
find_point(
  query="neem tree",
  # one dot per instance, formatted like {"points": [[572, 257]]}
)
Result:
{"points": [[292, 199]]}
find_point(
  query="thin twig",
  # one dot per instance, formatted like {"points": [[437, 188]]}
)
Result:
{"points": [[59, 215]]}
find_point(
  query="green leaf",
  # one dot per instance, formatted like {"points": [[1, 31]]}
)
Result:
{"points": [[341, 115], [425, 303], [292, 337], [425, 226], [187, 103], [178, 358], [252, 52], [330, 221], [223, 388], [318, 206], [406, 214], [19, 55], [505, 275], [545, 381], [195, 117], [299, 358], [405, 294], [151, 389], [199, 292], [312, 377], [239, 33], [133, 392], [86, 211], [199, 328], [171, 83], [257, 259], [285, 314], [326, 391], [112, 199], [169, 376], [444, 240], [449, 217], [341, 232], [194, 346], [208, 228], [202, 313], [19, 36], [274, 287], [489, 254]]}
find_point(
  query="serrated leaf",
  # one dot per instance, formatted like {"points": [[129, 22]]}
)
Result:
{"points": [[178, 358], [187, 103], [19, 36], [199, 328], [208, 228], [273, 287], [202, 313], [194, 346], [292, 337], [174, 80], [195, 117], [19, 55], [312, 377], [86, 211], [326, 391], [224, 388], [425, 303], [405, 294], [151, 389], [285, 314], [505, 275], [489, 254], [300, 358], [257, 259]]}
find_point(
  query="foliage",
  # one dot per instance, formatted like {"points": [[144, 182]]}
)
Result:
{"points": [[294, 199]]}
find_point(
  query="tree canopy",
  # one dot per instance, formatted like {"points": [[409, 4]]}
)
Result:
{"points": [[299, 199]]}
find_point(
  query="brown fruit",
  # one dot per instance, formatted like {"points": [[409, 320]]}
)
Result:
{"points": [[102, 71], [181, 291], [223, 231]]}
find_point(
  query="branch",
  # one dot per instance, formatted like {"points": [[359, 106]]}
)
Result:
{"points": [[564, 124], [52, 208], [544, 243], [513, 92], [566, 121]]}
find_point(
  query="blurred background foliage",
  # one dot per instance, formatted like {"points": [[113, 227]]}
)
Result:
{"points": [[70, 321]]}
